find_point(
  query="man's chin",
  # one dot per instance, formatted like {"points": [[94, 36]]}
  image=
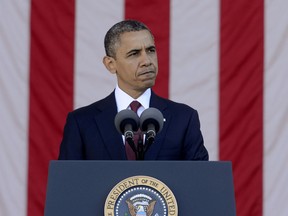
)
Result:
{"points": [[149, 83]]}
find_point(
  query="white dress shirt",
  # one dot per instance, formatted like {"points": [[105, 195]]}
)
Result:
{"points": [[123, 100]]}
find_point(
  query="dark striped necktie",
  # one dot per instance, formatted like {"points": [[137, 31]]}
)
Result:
{"points": [[134, 105]]}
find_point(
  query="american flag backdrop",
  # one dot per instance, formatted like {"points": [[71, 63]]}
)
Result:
{"points": [[227, 59]]}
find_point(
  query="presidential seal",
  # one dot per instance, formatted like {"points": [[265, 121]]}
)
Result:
{"points": [[140, 196]]}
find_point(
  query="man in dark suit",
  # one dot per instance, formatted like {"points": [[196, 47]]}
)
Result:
{"points": [[90, 134]]}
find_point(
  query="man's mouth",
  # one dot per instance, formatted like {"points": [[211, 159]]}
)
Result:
{"points": [[147, 72]]}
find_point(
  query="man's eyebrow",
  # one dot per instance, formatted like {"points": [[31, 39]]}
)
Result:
{"points": [[151, 47], [132, 51], [137, 50]]}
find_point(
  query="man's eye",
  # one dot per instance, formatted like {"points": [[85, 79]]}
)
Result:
{"points": [[152, 50], [132, 54]]}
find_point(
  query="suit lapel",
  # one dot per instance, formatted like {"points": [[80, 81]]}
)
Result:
{"points": [[161, 105], [105, 123]]}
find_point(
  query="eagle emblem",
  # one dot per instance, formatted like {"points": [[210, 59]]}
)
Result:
{"points": [[141, 205]]}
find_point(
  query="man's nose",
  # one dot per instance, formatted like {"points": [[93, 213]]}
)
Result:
{"points": [[145, 59]]}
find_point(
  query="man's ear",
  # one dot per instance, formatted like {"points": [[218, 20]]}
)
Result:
{"points": [[110, 64]]}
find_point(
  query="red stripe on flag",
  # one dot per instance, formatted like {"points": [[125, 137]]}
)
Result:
{"points": [[51, 90], [241, 99], [156, 15]]}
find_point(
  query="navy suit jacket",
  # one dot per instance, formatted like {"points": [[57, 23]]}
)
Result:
{"points": [[90, 134]]}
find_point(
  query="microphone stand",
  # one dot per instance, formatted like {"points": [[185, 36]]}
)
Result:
{"points": [[148, 143], [132, 145], [140, 150]]}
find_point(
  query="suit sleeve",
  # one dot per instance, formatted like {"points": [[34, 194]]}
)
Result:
{"points": [[71, 147]]}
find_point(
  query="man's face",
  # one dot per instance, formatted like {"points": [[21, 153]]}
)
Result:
{"points": [[136, 62]]}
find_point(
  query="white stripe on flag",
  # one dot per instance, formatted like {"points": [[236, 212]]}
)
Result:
{"points": [[14, 57], [194, 63], [193, 66], [93, 19], [276, 108]]}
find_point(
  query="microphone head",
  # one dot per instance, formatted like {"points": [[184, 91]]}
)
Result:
{"points": [[126, 117], [151, 116]]}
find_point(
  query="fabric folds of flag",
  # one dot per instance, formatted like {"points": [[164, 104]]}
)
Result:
{"points": [[227, 60]]}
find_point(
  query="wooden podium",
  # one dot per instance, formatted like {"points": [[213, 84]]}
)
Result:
{"points": [[200, 188]]}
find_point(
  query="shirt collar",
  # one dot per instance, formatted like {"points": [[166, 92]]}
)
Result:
{"points": [[123, 100]]}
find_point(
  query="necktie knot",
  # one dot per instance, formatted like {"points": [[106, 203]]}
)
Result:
{"points": [[134, 105]]}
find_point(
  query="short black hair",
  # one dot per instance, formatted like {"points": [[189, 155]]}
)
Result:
{"points": [[112, 37]]}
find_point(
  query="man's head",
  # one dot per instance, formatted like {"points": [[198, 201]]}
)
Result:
{"points": [[112, 37], [131, 55]]}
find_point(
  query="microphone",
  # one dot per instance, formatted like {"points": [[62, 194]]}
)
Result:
{"points": [[126, 121], [151, 121]]}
